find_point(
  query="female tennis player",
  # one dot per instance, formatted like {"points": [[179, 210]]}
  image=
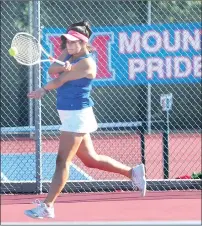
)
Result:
{"points": [[74, 105]]}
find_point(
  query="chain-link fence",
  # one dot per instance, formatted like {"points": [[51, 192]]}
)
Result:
{"points": [[147, 94]]}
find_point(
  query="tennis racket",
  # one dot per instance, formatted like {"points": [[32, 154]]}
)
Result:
{"points": [[27, 50]]}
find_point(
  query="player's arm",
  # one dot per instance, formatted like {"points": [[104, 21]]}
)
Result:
{"points": [[84, 68], [55, 67]]}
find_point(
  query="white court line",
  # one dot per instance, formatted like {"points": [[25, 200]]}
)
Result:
{"points": [[81, 171], [3, 177], [110, 223]]}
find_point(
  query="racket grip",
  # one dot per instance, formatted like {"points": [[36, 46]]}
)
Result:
{"points": [[56, 61]]}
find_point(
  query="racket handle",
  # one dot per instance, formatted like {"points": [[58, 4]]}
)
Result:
{"points": [[56, 61]]}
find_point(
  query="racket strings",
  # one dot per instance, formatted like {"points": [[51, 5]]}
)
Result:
{"points": [[28, 49]]}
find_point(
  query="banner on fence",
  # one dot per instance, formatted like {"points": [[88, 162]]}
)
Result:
{"points": [[134, 55]]}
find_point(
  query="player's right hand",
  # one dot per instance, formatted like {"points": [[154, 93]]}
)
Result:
{"points": [[67, 66]]}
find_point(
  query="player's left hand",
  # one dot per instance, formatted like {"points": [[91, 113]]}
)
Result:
{"points": [[37, 94]]}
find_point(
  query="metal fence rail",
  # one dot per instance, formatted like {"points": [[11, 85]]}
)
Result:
{"points": [[146, 94]]}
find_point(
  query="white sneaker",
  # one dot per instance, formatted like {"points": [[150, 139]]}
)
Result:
{"points": [[41, 211], [139, 179]]}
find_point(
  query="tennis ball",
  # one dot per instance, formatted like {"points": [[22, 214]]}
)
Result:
{"points": [[13, 51]]}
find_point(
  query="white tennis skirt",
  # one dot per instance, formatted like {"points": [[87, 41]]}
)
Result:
{"points": [[78, 121]]}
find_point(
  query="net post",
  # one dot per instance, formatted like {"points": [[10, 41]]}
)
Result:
{"points": [[142, 141], [37, 105], [166, 101], [166, 147]]}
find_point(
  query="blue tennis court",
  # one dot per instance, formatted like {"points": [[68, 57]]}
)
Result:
{"points": [[22, 167]]}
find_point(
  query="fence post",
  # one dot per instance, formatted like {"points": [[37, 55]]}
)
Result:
{"points": [[31, 82], [149, 116], [37, 84]]}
